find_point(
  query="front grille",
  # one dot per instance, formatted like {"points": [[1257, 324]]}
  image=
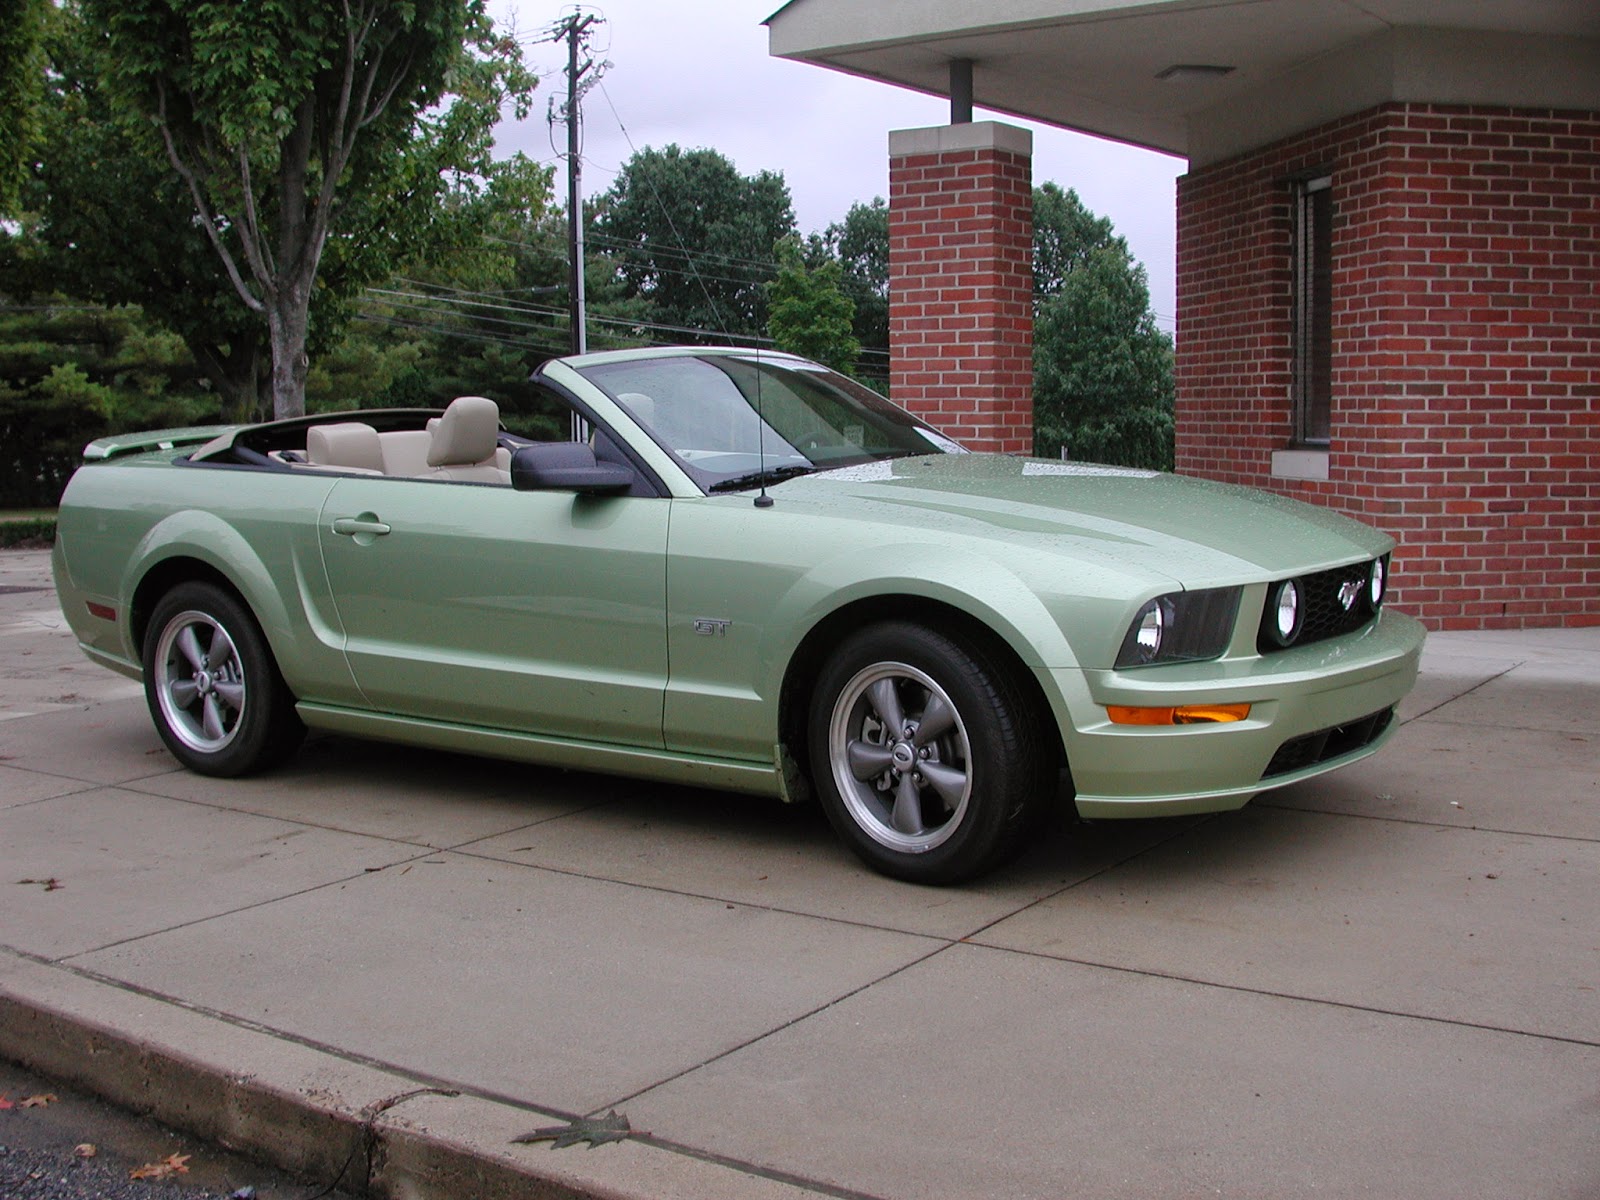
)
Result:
{"points": [[1325, 614], [1324, 745]]}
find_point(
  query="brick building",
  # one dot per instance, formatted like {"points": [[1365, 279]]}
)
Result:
{"points": [[1388, 253]]}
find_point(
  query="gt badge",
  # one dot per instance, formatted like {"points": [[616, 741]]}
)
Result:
{"points": [[711, 626]]}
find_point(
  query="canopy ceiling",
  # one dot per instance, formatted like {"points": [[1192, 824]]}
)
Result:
{"points": [[1098, 65]]}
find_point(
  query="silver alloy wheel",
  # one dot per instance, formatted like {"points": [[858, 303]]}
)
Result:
{"points": [[900, 757], [199, 682]]}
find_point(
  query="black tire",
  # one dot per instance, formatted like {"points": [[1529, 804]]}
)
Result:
{"points": [[213, 688], [932, 804]]}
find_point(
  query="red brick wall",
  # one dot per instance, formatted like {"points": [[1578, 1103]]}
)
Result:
{"points": [[1466, 346], [961, 293]]}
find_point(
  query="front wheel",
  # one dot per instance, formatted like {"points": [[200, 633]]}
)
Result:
{"points": [[928, 761], [212, 686]]}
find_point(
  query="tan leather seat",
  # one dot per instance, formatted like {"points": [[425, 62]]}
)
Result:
{"points": [[346, 446], [463, 446], [405, 451]]}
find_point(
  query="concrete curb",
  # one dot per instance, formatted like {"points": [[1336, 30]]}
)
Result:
{"points": [[320, 1114]]}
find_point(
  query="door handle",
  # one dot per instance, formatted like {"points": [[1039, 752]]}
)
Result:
{"points": [[359, 525]]}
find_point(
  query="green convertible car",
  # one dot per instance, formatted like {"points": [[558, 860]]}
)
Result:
{"points": [[740, 571]]}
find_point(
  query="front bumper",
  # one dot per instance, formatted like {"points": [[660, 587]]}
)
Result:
{"points": [[1294, 697]]}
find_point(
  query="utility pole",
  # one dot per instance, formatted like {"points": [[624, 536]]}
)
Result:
{"points": [[574, 30]]}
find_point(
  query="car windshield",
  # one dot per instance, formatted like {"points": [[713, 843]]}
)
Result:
{"points": [[736, 421]]}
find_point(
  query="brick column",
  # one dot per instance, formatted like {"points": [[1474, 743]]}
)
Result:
{"points": [[961, 281]]}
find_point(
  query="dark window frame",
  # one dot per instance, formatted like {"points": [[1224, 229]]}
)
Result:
{"points": [[1312, 388]]}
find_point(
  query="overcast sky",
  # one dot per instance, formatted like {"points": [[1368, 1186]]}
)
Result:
{"points": [[697, 73]]}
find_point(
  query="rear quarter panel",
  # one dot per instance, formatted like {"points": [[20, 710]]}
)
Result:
{"points": [[124, 520]]}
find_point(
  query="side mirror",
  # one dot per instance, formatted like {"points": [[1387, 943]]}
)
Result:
{"points": [[567, 467]]}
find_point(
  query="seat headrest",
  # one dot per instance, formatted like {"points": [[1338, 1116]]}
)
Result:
{"points": [[641, 406], [345, 444], [467, 433]]}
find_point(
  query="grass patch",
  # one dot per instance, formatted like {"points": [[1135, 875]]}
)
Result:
{"points": [[19, 532]]}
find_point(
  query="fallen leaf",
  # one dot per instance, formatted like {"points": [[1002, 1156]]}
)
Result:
{"points": [[42, 1100], [50, 885], [613, 1127], [85, 1150], [5, 1102], [172, 1164]]}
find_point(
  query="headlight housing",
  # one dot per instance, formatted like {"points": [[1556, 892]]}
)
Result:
{"points": [[1181, 627], [1286, 611], [1377, 583]]}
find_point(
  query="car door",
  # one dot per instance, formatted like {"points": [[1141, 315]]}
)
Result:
{"points": [[541, 612]]}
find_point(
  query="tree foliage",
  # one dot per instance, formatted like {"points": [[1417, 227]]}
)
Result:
{"points": [[860, 243], [110, 223], [1102, 370], [810, 314], [70, 373], [695, 238], [22, 85], [1102, 381], [1065, 236], [310, 137]]}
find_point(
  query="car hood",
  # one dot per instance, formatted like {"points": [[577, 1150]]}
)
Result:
{"points": [[1194, 531]]}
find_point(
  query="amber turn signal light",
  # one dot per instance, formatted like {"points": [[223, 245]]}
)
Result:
{"points": [[1184, 714]]}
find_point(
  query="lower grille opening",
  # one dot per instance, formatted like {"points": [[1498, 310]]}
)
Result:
{"points": [[1309, 749]]}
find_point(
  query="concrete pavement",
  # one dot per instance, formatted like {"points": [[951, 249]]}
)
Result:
{"points": [[390, 963]]}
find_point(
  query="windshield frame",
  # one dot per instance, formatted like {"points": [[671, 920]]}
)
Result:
{"points": [[884, 430]]}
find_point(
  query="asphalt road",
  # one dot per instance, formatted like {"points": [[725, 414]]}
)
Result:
{"points": [[39, 1161]]}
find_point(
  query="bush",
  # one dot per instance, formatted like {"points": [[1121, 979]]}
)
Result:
{"points": [[30, 533]]}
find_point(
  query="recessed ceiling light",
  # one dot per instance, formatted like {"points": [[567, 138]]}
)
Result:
{"points": [[1183, 72]]}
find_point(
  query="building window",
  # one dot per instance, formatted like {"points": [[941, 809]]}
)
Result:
{"points": [[1313, 309]]}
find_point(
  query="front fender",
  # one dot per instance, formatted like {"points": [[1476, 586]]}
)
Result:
{"points": [[980, 587]]}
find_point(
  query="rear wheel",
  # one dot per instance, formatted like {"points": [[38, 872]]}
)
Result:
{"points": [[213, 688], [927, 760]]}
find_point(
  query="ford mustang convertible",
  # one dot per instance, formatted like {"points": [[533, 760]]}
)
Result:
{"points": [[739, 571]]}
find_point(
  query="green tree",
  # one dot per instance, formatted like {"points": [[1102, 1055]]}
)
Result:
{"points": [[691, 235], [310, 135], [1102, 371], [860, 243], [809, 313], [22, 82], [110, 223], [1065, 235], [71, 372]]}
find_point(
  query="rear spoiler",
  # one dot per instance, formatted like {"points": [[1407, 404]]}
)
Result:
{"points": [[122, 444]]}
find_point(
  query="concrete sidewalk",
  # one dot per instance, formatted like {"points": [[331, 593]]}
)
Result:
{"points": [[391, 962]]}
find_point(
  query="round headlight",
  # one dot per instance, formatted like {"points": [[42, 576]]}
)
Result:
{"points": [[1151, 628], [1376, 583], [1286, 619]]}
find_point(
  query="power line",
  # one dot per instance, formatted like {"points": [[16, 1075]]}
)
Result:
{"points": [[464, 298], [628, 332]]}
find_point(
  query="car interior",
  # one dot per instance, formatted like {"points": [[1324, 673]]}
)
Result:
{"points": [[466, 444]]}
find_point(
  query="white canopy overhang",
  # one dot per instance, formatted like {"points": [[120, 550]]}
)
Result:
{"points": [[1152, 73]]}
